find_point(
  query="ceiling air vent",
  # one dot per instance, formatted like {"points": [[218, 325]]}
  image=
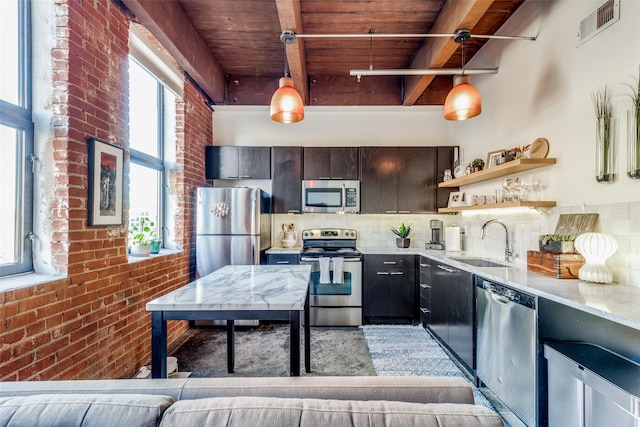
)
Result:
{"points": [[598, 20]]}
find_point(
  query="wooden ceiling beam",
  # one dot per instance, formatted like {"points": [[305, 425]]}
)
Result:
{"points": [[290, 17], [435, 52], [170, 25]]}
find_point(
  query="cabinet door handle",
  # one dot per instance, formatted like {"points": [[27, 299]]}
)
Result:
{"points": [[282, 262], [447, 269], [232, 177], [404, 212], [245, 177], [425, 310], [382, 273], [425, 265], [391, 212], [324, 177], [293, 211], [397, 273], [389, 263], [425, 286]]}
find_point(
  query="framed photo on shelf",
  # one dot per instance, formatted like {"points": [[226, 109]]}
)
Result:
{"points": [[106, 164], [495, 158], [456, 198]]}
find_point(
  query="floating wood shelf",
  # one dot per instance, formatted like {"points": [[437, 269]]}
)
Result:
{"points": [[514, 166], [518, 204]]}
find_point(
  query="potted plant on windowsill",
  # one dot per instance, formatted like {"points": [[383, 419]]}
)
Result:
{"points": [[402, 232], [142, 234]]}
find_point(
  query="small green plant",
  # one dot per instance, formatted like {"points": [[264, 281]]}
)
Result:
{"points": [[142, 231], [403, 231], [604, 111], [477, 162], [544, 238], [634, 134]]}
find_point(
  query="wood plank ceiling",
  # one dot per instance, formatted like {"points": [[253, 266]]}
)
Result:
{"points": [[232, 48]]}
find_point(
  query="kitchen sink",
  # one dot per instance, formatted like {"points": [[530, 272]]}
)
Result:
{"points": [[478, 262]]}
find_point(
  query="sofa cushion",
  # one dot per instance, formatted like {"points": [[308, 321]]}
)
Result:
{"points": [[403, 389], [283, 412], [86, 410]]}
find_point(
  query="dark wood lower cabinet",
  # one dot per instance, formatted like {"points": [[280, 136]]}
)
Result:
{"points": [[425, 288], [453, 311], [389, 289]]}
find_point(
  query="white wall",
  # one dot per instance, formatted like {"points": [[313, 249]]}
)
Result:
{"points": [[543, 90], [332, 126]]}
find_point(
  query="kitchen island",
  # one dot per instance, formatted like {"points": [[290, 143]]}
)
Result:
{"points": [[235, 292]]}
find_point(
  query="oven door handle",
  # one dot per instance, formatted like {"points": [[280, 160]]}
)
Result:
{"points": [[346, 259]]}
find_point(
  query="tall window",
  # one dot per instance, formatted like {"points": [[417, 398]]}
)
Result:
{"points": [[151, 124], [16, 138]]}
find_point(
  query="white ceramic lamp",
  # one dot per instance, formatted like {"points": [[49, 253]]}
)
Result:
{"points": [[596, 248]]}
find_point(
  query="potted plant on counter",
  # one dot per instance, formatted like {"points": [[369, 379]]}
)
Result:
{"points": [[141, 233], [402, 232]]}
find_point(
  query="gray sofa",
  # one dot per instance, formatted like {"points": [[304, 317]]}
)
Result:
{"points": [[245, 402]]}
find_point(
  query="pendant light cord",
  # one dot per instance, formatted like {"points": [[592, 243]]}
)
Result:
{"points": [[371, 49], [462, 57]]}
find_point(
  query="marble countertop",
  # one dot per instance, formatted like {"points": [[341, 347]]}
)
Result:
{"points": [[616, 302], [241, 287]]}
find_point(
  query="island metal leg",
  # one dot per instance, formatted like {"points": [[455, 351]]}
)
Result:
{"points": [[294, 343], [158, 345], [307, 337], [231, 349]]}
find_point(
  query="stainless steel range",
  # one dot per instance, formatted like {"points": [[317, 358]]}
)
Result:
{"points": [[336, 276]]}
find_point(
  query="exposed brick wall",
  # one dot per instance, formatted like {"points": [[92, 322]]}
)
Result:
{"points": [[92, 323]]}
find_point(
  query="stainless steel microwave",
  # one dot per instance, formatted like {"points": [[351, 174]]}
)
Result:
{"points": [[330, 196]]}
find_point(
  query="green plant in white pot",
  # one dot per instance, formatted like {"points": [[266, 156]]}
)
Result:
{"points": [[402, 241], [141, 234]]}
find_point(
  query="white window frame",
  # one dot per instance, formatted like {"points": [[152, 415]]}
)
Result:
{"points": [[20, 118]]}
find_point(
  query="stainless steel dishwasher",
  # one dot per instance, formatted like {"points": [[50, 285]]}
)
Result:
{"points": [[506, 352]]}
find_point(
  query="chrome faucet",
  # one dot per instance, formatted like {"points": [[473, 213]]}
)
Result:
{"points": [[507, 250]]}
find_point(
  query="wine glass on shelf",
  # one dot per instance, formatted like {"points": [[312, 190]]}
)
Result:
{"points": [[526, 184], [506, 184], [539, 186]]}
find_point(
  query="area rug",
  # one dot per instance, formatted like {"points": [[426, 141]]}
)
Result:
{"points": [[264, 351], [412, 351]]}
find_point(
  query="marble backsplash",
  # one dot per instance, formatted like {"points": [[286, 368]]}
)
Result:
{"points": [[621, 220]]}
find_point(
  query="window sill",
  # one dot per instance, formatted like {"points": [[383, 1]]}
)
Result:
{"points": [[25, 280], [163, 252]]}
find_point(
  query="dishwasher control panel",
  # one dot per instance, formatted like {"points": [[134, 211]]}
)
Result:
{"points": [[505, 292]]}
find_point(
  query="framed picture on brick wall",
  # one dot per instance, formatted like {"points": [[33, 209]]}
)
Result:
{"points": [[106, 163]]}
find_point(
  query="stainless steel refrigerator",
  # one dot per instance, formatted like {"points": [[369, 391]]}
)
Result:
{"points": [[233, 227]]}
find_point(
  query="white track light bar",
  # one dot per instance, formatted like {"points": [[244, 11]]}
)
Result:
{"points": [[422, 72]]}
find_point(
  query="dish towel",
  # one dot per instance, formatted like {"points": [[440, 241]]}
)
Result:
{"points": [[324, 269], [337, 270]]}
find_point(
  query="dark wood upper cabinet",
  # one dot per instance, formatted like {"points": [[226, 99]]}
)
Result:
{"points": [[226, 162], [331, 163], [398, 179], [417, 179], [286, 184], [378, 179]]}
